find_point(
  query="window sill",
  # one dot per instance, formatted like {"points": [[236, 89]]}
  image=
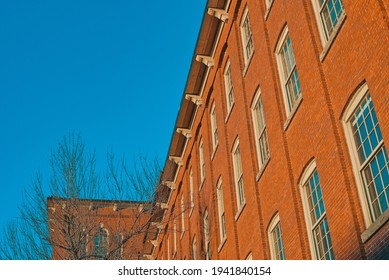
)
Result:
{"points": [[331, 40], [374, 227], [260, 172], [293, 112], [240, 211], [214, 151], [221, 244], [247, 64], [229, 113], [268, 10]]}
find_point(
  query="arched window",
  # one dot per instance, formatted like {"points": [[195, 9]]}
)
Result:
{"points": [[315, 214], [289, 78], [275, 239], [368, 154], [100, 243]]}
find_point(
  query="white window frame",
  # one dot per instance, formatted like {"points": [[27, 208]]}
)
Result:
{"points": [[281, 71], [324, 37], [174, 236], [191, 189], [221, 212], [246, 41], [260, 134], [182, 216], [272, 225], [207, 240], [194, 248], [228, 86], [269, 3], [238, 175], [249, 256], [306, 175], [354, 103], [214, 131], [201, 162]]}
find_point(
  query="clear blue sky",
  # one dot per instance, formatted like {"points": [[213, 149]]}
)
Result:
{"points": [[112, 70]]}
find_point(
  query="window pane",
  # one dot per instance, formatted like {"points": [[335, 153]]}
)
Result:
{"points": [[277, 243], [376, 180], [323, 241], [292, 81], [367, 134], [261, 135], [331, 11]]}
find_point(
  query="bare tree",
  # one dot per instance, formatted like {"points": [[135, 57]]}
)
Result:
{"points": [[84, 214]]}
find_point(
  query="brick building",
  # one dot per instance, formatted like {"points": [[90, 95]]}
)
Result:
{"points": [[279, 147], [99, 229]]}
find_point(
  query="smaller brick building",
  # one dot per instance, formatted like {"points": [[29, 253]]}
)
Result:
{"points": [[98, 229]]}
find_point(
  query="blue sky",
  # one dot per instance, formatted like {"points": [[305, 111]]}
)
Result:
{"points": [[112, 70]]}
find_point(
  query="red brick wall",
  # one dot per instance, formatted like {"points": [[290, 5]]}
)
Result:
{"points": [[359, 53]]}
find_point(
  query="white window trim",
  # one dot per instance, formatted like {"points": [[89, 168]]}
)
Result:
{"points": [[247, 59], [323, 38], [182, 216], [261, 165], [273, 223], [194, 248], [249, 256], [191, 189], [221, 211], [269, 5], [347, 114], [236, 179], [202, 163], [292, 111], [207, 237], [174, 236], [214, 130], [308, 171], [226, 87]]}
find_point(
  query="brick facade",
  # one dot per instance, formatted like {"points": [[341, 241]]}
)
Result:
{"points": [[75, 224], [332, 68]]}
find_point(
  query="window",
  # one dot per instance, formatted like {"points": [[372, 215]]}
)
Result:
{"points": [[174, 236], [238, 173], [315, 214], [290, 82], [202, 163], [118, 243], [84, 239], [261, 141], [228, 87], [329, 13], [220, 207], [368, 153], [214, 127], [275, 239], [207, 242], [182, 215], [194, 248], [100, 242], [191, 190], [247, 37]]}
